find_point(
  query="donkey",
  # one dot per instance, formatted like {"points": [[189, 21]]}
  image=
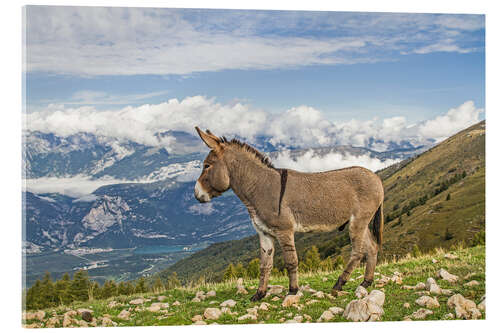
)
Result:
{"points": [[281, 202]]}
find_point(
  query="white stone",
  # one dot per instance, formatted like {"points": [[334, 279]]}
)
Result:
{"points": [[247, 316], [421, 313], [228, 303], [212, 313], [472, 283], [428, 302], [326, 316], [443, 274], [336, 310], [197, 318], [450, 256], [360, 292], [368, 308], [137, 301], [290, 300], [124, 315]]}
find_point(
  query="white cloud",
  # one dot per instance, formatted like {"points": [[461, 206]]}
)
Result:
{"points": [[90, 41], [310, 162], [301, 126], [76, 187], [453, 121]]}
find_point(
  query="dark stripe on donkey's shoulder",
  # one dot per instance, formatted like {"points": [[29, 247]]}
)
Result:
{"points": [[284, 176]]}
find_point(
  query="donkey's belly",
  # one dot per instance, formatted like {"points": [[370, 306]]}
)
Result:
{"points": [[316, 227]]}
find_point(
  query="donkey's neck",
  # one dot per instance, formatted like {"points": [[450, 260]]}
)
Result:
{"points": [[250, 178]]}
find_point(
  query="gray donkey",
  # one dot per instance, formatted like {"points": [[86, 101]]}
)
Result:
{"points": [[281, 202]]}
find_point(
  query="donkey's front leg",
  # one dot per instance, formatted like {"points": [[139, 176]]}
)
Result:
{"points": [[287, 243], [266, 264]]}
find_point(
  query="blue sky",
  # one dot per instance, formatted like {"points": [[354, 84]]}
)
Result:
{"points": [[346, 66]]}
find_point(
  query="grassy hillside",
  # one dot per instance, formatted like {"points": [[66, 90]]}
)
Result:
{"points": [[436, 199], [468, 265]]}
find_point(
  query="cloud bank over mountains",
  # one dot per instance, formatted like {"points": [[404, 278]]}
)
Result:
{"points": [[301, 126]]}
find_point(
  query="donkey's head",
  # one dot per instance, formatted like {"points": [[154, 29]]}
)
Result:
{"points": [[214, 179]]}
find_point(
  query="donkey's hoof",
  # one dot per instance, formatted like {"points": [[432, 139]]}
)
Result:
{"points": [[366, 283], [258, 296]]}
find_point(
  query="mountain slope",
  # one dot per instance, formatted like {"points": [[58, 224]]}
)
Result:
{"points": [[419, 185]]}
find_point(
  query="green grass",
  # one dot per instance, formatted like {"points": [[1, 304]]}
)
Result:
{"points": [[414, 270]]}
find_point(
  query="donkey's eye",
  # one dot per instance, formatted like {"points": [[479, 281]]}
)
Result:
{"points": [[206, 166]]}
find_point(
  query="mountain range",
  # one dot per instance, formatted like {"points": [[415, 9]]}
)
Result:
{"points": [[142, 196]]}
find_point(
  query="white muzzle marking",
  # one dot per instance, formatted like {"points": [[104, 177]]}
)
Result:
{"points": [[200, 194]]}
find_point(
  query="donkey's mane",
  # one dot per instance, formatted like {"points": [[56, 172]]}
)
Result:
{"points": [[246, 147]]}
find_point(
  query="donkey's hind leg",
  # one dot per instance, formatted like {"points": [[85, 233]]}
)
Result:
{"points": [[371, 250], [356, 233], [356, 256]]}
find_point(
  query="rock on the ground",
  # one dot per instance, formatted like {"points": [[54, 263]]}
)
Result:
{"points": [[228, 303], [176, 303], [154, 308], [199, 322], [428, 302], [247, 316], [212, 313], [319, 294], [406, 305], [106, 321], [275, 289], [432, 286], [196, 318], [161, 298], [443, 274], [326, 316], [38, 315], [67, 321], [112, 304], [421, 313], [449, 316], [253, 310], [124, 315], [307, 288], [336, 310], [52, 322], [290, 300], [450, 256], [360, 292], [196, 300], [464, 308], [240, 287], [434, 261], [420, 286], [137, 301], [211, 293], [264, 306], [368, 308], [472, 283]]}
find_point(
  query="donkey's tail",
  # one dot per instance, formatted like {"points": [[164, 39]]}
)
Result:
{"points": [[378, 225]]}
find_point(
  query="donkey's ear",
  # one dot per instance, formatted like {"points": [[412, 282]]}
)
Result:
{"points": [[210, 140]]}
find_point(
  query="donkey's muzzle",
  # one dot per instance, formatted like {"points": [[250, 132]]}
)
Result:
{"points": [[200, 194]]}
